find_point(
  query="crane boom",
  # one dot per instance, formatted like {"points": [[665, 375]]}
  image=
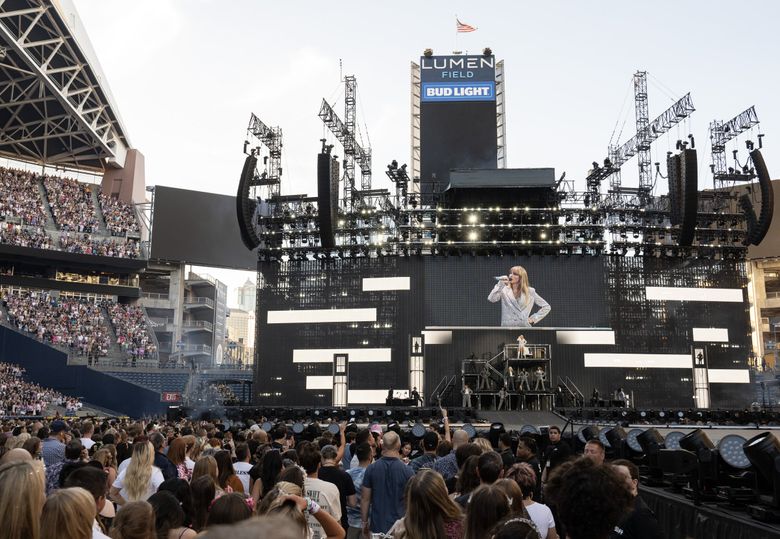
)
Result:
{"points": [[662, 124]]}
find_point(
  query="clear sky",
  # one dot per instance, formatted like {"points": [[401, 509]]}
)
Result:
{"points": [[187, 73]]}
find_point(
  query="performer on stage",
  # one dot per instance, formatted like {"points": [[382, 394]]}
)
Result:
{"points": [[518, 299], [540, 377], [522, 349], [503, 401], [466, 395], [416, 396], [524, 380]]}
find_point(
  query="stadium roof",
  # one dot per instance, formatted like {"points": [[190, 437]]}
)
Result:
{"points": [[55, 104]]}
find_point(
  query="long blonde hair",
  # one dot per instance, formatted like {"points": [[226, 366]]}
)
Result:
{"points": [[68, 514], [206, 466], [21, 498], [522, 283], [428, 507], [139, 472]]}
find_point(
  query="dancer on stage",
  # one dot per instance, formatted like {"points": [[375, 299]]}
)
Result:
{"points": [[518, 299]]}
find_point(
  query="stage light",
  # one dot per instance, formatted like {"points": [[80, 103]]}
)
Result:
{"points": [[267, 426], [418, 430], [469, 429], [333, 428], [650, 441], [672, 440], [529, 429], [677, 461], [763, 451], [603, 436], [587, 433], [696, 441], [297, 427], [389, 413], [731, 451]]}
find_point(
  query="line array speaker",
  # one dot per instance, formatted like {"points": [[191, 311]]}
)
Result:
{"points": [[689, 200], [757, 228], [675, 192], [245, 206], [327, 197]]}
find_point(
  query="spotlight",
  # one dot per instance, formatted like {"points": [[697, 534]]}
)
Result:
{"points": [[587, 433], [418, 430], [650, 441], [333, 428], [529, 429], [677, 461], [617, 439], [763, 451], [731, 451], [632, 440], [672, 440], [297, 427], [267, 426], [469, 429]]}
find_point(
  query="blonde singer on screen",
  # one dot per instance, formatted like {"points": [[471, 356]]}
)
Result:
{"points": [[518, 299]]}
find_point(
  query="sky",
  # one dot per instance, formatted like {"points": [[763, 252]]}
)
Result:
{"points": [[186, 74]]}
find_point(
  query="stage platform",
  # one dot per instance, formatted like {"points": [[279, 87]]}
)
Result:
{"points": [[516, 420]]}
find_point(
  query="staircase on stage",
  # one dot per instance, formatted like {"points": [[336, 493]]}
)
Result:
{"points": [[519, 377]]}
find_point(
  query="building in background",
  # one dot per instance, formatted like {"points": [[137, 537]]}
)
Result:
{"points": [[240, 336], [246, 295]]}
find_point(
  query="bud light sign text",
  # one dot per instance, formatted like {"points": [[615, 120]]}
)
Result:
{"points": [[458, 91]]}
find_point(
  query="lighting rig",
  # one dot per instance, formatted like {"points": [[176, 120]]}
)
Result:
{"points": [[686, 223]]}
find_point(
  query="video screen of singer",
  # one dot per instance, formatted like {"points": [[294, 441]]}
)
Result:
{"points": [[518, 299]]}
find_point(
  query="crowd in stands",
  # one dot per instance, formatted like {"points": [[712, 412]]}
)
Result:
{"points": [[73, 323], [25, 236], [20, 197], [90, 245], [132, 333], [71, 204], [73, 211], [119, 216], [181, 479], [19, 397]]}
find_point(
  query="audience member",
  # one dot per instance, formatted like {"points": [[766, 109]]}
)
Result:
{"points": [[71, 204], [21, 498], [118, 215], [93, 481], [487, 507], [429, 444], [134, 520], [140, 479], [557, 452], [430, 512], [641, 521], [384, 484], [204, 490], [590, 498], [330, 472], [229, 509], [169, 517], [68, 514], [325, 494], [181, 489], [595, 451], [525, 476]]}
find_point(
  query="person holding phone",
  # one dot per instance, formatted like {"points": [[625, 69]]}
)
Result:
{"points": [[518, 299]]}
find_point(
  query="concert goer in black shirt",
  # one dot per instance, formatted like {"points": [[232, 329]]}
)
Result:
{"points": [[505, 449], [556, 453], [640, 523]]}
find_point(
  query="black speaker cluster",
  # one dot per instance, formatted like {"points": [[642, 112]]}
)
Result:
{"points": [[245, 206], [758, 227], [327, 196], [682, 169]]}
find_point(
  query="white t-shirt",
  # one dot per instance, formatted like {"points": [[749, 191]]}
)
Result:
{"points": [[87, 443], [327, 497], [242, 471], [96, 532], [154, 482], [542, 517], [123, 466]]}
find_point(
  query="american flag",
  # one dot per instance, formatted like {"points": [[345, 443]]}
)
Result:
{"points": [[464, 27]]}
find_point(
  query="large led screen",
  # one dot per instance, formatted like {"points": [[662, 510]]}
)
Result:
{"points": [[490, 291], [198, 228]]}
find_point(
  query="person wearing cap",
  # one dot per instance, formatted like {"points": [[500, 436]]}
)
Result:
{"points": [[429, 442], [53, 447]]}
